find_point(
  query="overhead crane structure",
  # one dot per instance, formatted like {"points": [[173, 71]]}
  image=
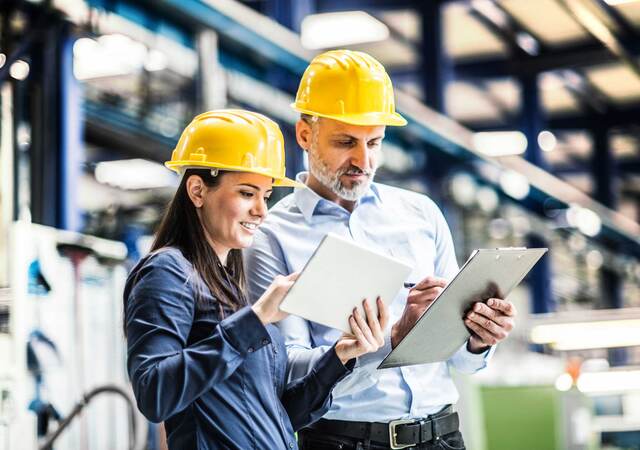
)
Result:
{"points": [[279, 48]]}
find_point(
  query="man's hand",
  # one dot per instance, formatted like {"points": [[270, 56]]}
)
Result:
{"points": [[421, 296], [490, 323]]}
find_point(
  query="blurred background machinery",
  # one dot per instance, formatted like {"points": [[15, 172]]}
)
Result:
{"points": [[524, 127]]}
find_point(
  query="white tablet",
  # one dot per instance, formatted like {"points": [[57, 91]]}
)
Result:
{"points": [[441, 331], [338, 276]]}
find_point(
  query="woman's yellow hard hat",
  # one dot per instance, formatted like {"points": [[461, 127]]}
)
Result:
{"points": [[348, 86], [234, 140]]}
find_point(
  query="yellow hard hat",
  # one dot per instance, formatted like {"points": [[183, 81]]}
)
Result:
{"points": [[348, 86], [235, 140]]}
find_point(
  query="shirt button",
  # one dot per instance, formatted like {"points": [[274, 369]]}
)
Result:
{"points": [[250, 350], [290, 444]]}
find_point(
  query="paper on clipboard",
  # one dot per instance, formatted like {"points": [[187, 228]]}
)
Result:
{"points": [[338, 277], [440, 332]]}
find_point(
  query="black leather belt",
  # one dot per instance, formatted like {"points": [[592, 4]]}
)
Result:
{"points": [[396, 434]]}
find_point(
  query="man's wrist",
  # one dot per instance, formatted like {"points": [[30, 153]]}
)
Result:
{"points": [[475, 347]]}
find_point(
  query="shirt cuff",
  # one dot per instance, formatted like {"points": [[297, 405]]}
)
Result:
{"points": [[245, 331], [468, 362], [329, 369]]}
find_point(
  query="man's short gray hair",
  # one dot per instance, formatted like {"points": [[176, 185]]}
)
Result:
{"points": [[309, 119]]}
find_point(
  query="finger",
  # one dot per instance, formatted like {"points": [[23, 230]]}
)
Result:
{"points": [[429, 282], [489, 325], [485, 310], [426, 295], [502, 320], [486, 337], [372, 320], [383, 314], [504, 306], [374, 324], [357, 332], [366, 331], [292, 276]]}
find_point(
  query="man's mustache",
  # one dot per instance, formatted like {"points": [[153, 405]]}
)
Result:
{"points": [[356, 171]]}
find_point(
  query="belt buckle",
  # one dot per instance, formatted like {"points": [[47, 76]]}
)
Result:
{"points": [[392, 433]]}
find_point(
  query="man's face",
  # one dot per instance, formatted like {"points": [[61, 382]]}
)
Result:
{"points": [[343, 157]]}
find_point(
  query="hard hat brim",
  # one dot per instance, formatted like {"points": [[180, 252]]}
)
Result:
{"points": [[181, 166], [364, 119]]}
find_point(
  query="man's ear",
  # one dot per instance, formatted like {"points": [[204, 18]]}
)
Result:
{"points": [[195, 190], [304, 134]]}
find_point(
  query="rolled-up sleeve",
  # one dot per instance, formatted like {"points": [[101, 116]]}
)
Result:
{"points": [[166, 373]]}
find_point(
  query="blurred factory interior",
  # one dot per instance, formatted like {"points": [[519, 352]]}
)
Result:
{"points": [[524, 127]]}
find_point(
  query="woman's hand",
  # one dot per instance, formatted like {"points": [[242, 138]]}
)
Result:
{"points": [[267, 308], [368, 335]]}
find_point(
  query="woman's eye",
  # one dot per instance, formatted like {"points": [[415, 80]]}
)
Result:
{"points": [[246, 194]]}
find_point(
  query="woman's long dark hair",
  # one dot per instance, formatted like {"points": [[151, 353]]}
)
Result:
{"points": [[181, 228]]}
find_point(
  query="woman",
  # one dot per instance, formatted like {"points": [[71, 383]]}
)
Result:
{"points": [[200, 358]]}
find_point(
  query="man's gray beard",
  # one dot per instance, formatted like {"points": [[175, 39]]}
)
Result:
{"points": [[323, 174]]}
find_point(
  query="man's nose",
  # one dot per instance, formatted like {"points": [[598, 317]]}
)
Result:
{"points": [[360, 157]]}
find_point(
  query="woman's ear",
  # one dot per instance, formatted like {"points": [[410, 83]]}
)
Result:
{"points": [[196, 190]]}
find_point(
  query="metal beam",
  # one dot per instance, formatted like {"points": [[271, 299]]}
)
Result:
{"points": [[599, 30], [577, 56], [424, 124], [613, 118], [370, 5], [433, 60], [624, 166]]}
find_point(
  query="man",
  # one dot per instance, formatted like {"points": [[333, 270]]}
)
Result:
{"points": [[346, 99]]}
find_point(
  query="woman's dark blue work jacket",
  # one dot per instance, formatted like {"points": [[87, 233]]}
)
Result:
{"points": [[217, 384]]}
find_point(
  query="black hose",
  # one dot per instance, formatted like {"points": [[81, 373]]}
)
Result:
{"points": [[109, 388]]}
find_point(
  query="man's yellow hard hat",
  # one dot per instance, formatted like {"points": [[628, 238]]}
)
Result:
{"points": [[348, 86], [234, 140]]}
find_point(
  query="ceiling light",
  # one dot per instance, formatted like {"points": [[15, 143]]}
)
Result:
{"points": [[500, 143], [619, 2], [610, 381], [155, 61], [19, 70], [547, 141], [110, 55], [584, 219], [3, 59], [564, 382], [463, 189], [528, 43], [327, 30], [588, 335], [491, 11], [134, 174], [515, 185]]}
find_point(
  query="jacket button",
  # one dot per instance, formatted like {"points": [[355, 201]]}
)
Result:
{"points": [[250, 350], [265, 342]]}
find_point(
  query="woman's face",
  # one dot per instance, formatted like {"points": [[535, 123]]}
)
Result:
{"points": [[232, 211]]}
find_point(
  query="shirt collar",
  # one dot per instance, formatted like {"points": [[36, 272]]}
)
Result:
{"points": [[307, 199]]}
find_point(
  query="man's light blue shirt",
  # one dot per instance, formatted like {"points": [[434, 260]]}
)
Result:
{"points": [[393, 221]]}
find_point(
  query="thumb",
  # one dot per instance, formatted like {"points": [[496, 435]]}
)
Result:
{"points": [[292, 276]]}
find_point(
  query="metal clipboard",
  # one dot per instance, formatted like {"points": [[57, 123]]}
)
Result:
{"points": [[440, 332]]}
